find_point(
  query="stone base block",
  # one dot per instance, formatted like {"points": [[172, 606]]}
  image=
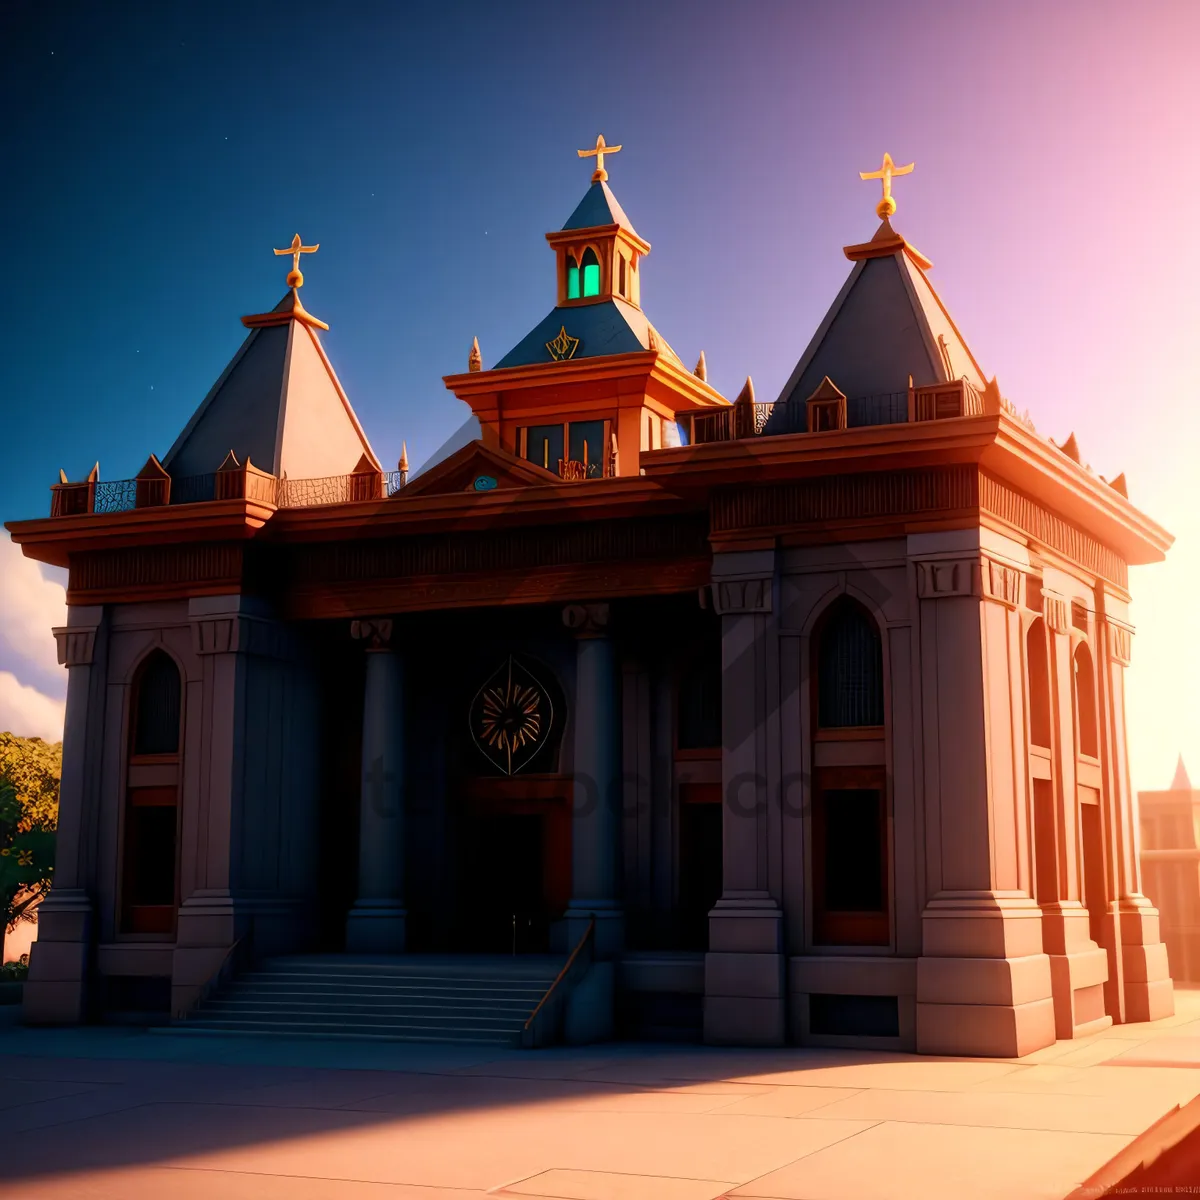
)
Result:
{"points": [[54, 1002], [589, 1012], [376, 927], [985, 1030], [981, 925], [1144, 1001], [987, 981], [744, 1020], [1144, 964], [1078, 980]]}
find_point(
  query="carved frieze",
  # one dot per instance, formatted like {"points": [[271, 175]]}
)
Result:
{"points": [[1056, 612], [1001, 582], [941, 579], [237, 633], [376, 632], [76, 647], [587, 620], [1120, 641], [735, 596]]}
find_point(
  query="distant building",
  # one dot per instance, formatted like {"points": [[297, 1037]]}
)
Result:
{"points": [[1170, 822], [806, 718]]}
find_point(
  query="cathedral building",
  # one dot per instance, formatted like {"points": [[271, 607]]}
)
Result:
{"points": [[664, 712]]}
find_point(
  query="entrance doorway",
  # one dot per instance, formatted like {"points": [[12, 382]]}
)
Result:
{"points": [[515, 858], [700, 849]]}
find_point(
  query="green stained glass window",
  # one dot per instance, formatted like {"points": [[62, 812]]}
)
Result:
{"points": [[572, 279], [591, 274]]}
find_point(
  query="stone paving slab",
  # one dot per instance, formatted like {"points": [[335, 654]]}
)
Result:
{"points": [[112, 1114]]}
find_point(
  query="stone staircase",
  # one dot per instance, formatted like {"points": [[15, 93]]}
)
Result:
{"points": [[411, 998]]}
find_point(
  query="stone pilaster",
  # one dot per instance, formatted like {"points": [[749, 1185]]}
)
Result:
{"points": [[596, 817], [59, 961], [1146, 992], [377, 922], [744, 991], [983, 981]]}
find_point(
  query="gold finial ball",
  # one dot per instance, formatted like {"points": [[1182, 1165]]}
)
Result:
{"points": [[885, 208], [295, 279]]}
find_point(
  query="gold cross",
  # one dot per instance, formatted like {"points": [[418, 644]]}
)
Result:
{"points": [[295, 278], [600, 174], [887, 205]]}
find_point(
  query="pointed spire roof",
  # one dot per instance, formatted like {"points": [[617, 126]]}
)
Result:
{"points": [[278, 402], [597, 208], [886, 324], [1181, 782]]}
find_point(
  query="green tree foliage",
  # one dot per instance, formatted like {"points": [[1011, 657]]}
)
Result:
{"points": [[30, 770]]}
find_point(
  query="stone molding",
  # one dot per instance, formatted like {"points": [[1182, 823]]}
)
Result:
{"points": [[76, 646], [1001, 582], [587, 620], [377, 631], [942, 579], [1120, 641], [238, 633], [733, 597], [1055, 612]]}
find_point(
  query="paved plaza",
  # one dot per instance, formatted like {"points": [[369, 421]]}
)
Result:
{"points": [[116, 1114]]}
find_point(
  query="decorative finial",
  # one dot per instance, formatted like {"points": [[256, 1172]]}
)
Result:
{"points": [[599, 175], [475, 359], [887, 205], [701, 371], [403, 463], [295, 279]]}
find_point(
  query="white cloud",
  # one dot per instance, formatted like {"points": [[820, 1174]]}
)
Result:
{"points": [[30, 605], [26, 712]]}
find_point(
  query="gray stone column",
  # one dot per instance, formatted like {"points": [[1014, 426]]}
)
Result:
{"points": [[596, 823], [744, 997], [376, 923], [59, 961]]}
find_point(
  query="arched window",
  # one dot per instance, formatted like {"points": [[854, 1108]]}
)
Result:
{"points": [[148, 890], [591, 273], [572, 278], [157, 698], [1085, 702], [849, 668], [1038, 669]]}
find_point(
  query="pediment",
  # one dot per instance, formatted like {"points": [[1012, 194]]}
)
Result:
{"points": [[478, 468]]}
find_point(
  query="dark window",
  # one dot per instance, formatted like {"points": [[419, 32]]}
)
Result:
{"points": [[1039, 685], [849, 669], [622, 276], [152, 840], [700, 702], [1085, 702], [544, 445], [854, 1016], [853, 851], [586, 440], [157, 695]]}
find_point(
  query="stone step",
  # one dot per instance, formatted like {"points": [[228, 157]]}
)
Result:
{"points": [[349, 1004], [440, 988], [326, 1030], [224, 1010]]}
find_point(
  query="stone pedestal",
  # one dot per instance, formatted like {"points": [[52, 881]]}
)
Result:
{"points": [[56, 991], [744, 970], [376, 923], [595, 823]]}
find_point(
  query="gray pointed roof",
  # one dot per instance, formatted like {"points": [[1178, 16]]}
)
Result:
{"points": [[886, 324], [610, 327], [598, 207], [278, 403], [1181, 782]]}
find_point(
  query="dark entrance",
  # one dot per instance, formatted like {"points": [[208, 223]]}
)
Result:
{"points": [[700, 849], [515, 864], [508, 905]]}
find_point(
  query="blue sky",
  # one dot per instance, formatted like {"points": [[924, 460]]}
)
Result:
{"points": [[155, 154]]}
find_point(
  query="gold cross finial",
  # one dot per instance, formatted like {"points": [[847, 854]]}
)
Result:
{"points": [[599, 174], [295, 278], [887, 205]]}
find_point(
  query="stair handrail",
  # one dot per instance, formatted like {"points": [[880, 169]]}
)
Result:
{"points": [[583, 941], [217, 980]]}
